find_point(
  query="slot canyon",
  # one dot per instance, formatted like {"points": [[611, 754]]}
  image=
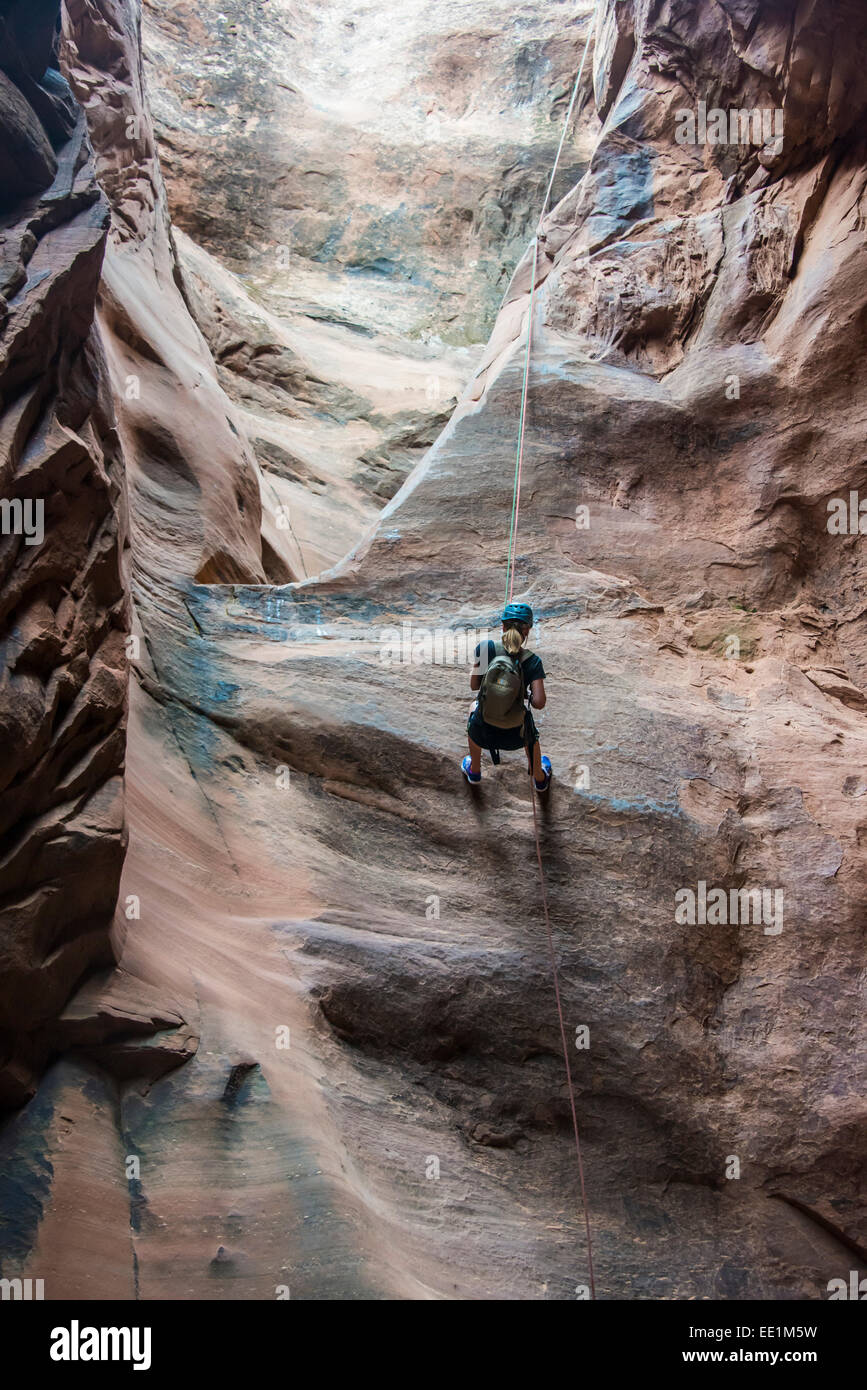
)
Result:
{"points": [[276, 997]]}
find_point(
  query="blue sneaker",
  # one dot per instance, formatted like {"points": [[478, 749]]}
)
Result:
{"points": [[472, 777], [546, 768]]}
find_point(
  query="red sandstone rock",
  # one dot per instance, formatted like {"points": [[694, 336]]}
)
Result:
{"points": [[62, 603], [377, 1106]]}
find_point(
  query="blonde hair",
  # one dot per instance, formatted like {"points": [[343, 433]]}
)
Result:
{"points": [[513, 640]]}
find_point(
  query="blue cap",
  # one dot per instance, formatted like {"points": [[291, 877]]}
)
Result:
{"points": [[518, 613]]}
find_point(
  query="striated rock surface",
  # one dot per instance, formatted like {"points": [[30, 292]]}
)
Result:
{"points": [[193, 487], [377, 1105], [64, 605], [63, 611]]}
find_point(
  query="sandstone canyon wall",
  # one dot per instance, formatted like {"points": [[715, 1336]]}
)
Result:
{"points": [[64, 609], [340, 941]]}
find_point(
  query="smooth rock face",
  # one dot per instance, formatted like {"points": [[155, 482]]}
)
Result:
{"points": [[384, 162], [377, 1105], [355, 184]]}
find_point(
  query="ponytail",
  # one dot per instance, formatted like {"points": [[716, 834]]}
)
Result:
{"points": [[512, 640]]}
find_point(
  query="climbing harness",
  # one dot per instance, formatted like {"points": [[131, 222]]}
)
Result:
{"points": [[510, 577]]}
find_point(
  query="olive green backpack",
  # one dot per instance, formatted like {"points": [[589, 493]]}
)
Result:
{"points": [[501, 694]]}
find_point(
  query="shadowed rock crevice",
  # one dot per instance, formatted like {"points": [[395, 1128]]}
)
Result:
{"points": [[62, 691]]}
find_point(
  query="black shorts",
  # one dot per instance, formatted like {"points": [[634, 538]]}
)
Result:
{"points": [[488, 736]]}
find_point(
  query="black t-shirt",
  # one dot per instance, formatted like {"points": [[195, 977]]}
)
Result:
{"points": [[531, 664]]}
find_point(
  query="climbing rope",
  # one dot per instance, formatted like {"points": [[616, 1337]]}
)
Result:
{"points": [[516, 490], [519, 460], [568, 119], [510, 577], [565, 1045]]}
